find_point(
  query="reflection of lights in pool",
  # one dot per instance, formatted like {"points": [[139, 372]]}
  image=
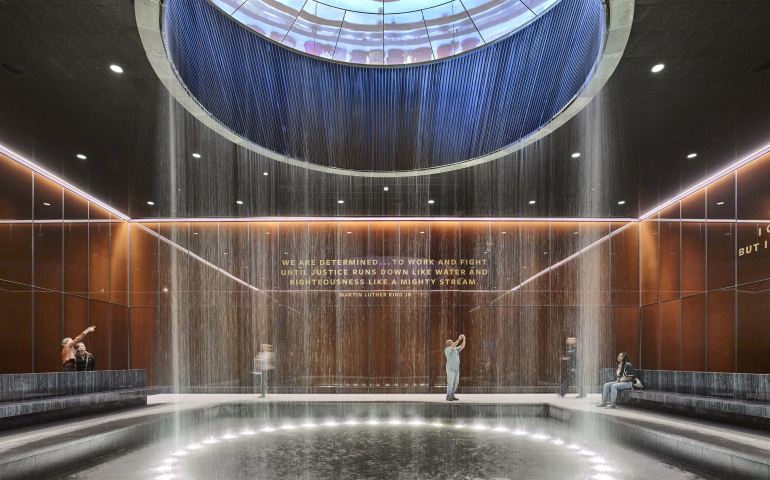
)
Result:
{"points": [[480, 427], [210, 441], [501, 429], [574, 447], [248, 432], [587, 453], [540, 436], [558, 442], [194, 446], [309, 425], [229, 436], [164, 468], [267, 429], [519, 431], [597, 460], [180, 453], [604, 468]]}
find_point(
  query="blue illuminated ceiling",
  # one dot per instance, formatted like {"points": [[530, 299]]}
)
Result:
{"points": [[384, 119], [377, 32]]}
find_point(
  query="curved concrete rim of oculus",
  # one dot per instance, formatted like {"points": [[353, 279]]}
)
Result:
{"points": [[619, 17]]}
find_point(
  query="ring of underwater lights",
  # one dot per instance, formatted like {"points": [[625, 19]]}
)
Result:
{"points": [[323, 115], [168, 466]]}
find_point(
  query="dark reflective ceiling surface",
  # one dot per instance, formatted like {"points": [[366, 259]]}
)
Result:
{"points": [[59, 98]]}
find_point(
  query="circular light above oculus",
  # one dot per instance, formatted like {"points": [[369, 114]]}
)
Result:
{"points": [[532, 75]]}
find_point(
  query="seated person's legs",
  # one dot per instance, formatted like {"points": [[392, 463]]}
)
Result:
{"points": [[606, 391], [619, 386]]}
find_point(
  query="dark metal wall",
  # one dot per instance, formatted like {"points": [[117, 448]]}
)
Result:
{"points": [[384, 119]]}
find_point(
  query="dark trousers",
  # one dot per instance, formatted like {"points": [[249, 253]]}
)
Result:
{"points": [[572, 378], [69, 368]]}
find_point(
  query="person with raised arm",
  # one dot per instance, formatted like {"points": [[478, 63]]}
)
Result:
{"points": [[452, 352], [68, 350]]}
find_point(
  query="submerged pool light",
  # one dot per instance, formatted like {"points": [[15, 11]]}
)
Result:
{"points": [[540, 436], [194, 446], [267, 430], [520, 432], [248, 431], [309, 425], [501, 429], [229, 436], [373, 421]]}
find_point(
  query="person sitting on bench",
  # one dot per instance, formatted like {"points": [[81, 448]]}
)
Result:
{"points": [[624, 380]]}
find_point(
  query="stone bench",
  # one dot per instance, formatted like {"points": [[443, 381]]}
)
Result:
{"points": [[737, 399]]}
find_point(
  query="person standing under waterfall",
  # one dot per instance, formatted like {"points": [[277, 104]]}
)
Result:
{"points": [[452, 352], [68, 350], [573, 369], [265, 362]]}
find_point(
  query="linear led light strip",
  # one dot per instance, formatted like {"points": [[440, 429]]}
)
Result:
{"points": [[383, 219], [50, 176]]}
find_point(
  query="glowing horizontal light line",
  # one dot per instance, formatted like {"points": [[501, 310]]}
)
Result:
{"points": [[383, 219], [50, 176]]}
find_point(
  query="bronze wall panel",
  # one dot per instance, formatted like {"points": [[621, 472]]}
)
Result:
{"points": [[353, 346], [445, 247], [650, 344], [476, 359], [720, 331], [594, 264], [234, 259], [564, 324], [535, 260], [670, 253], [75, 207], [694, 333], [232, 364], [624, 282], [98, 342], [444, 325], [173, 266], [650, 260], [720, 199], [386, 346], [322, 347], [118, 337], [264, 259], [205, 282], [48, 331], [416, 346], [753, 252], [624, 336], [48, 199], [506, 263], [204, 338], [693, 258], [293, 347], [119, 262], [144, 266], [99, 258], [720, 255], [504, 347], [75, 315], [752, 190], [16, 185], [144, 337], [48, 256], [413, 244], [671, 335], [753, 334], [16, 301], [475, 248], [16, 252], [565, 241], [532, 350], [75, 258], [693, 206]]}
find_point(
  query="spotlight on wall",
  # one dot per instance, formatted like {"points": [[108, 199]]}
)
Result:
{"points": [[150, 203], [622, 202], [422, 232], [48, 204], [340, 201], [658, 68], [196, 155], [576, 155], [349, 233], [386, 189], [239, 202], [504, 233], [692, 155], [81, 156], [531, 202], [718, 203], [265, 174], [116, 68], [431, 202]]}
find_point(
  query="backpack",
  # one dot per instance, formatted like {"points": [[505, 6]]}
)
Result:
{"points": [[637, 384]]}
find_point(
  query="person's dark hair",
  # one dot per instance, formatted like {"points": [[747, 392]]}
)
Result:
{"points": [[625, 360]]}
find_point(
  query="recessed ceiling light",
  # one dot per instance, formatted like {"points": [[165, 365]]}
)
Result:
{"points": [[81, 156], [574, 233], [225, 253], [504, 233], [239, 202], [622, 202], [576, 155], [195, 233], [267, 233], [718, 203], [48, 204], [196, 155], [116, 68], [349, 233], [386, 189], [692, 155], [265, 174], [340, 201], [431, 201], [658, 67], [531, 202], [150, 203], [422, 232]]}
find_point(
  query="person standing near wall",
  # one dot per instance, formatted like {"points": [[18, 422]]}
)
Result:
{"points": [[573, 373], [452, 352], [265, 363], [68, 350], [84, 360]]}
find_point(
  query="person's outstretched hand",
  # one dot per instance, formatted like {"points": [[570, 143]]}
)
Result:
{"points": [[91, 328]]}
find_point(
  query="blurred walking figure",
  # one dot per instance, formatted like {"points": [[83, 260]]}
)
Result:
{"points": [[84, 359], [452, 352], [264, 362], [573, 369], [68, 350]]}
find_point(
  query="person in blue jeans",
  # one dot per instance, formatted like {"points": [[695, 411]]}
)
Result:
{"points": [[624, 380], [452, 352]]}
